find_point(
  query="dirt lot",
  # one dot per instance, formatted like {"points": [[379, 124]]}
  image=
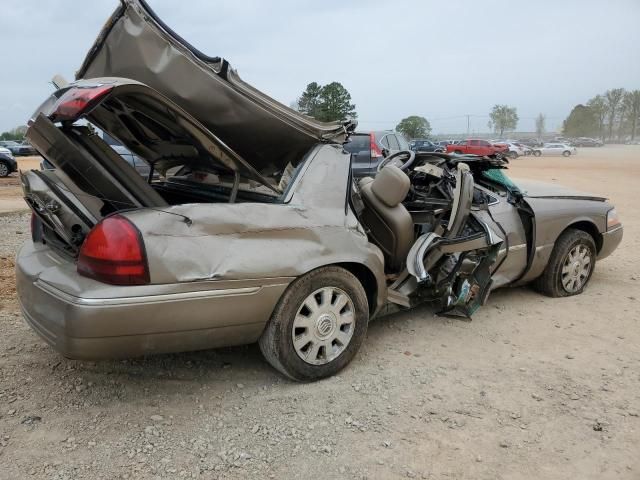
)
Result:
{"points": [[531, 388]]}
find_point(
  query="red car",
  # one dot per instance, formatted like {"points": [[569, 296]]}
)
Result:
{"points": [[475, 147]]}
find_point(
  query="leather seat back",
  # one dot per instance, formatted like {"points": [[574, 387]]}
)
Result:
{"points": [[390, 224]]}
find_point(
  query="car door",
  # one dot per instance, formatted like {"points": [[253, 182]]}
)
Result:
{"points": [[485, 147], [474, 147], [394, 145], [502, 216], [554, 149], [403, 144], [359, 146], [479, 250]]}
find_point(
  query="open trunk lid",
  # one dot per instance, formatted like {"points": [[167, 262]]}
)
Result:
{"points": [[136, 44], [90, 181]]}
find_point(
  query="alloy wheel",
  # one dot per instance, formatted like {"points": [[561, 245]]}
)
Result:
{"points": [[323, 326], [576, 268], [4, 170]]}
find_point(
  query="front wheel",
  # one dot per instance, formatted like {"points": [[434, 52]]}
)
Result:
{"points": [[537, 153], [513, 155], [570, 266], [566, 153], [4, 170], [318, 325]]}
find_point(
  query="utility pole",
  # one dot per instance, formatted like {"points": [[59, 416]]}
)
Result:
{"points": [[468, 124]]}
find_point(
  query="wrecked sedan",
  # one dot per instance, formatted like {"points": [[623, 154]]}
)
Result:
{"points": [[250, 226]]}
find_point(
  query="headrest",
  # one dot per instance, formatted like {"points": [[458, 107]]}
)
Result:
{"points": [[391, 185]]}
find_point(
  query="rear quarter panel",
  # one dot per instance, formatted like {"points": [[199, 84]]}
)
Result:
{"points": [[259, 240]]}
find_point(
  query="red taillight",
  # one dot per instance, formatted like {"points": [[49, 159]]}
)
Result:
{"points": [[113, 252], [375, 149], [76, 101]]}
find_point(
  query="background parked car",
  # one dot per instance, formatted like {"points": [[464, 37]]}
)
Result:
{"points": [[555, 149], [587, 142], [127, 155], [531, 142], [8, 163], [512, 150], [425, 146], [136, 162], [369, 149], [17, 148], [474, 146], [443, 144]]}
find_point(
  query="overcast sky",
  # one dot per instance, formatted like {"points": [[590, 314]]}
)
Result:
{"points": [[441, 59]]}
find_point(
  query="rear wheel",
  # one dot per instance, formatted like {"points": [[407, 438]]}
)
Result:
{"points": [[570, 266], [317, 326], [513, 155], [537, 153]]}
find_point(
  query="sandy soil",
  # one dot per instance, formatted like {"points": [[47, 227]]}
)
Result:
{"points": [[10, 191], [531, 388]]}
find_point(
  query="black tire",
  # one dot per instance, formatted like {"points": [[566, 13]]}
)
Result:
{"points": [[566, 153], [513, 155], [550, 282], [276, 342], [537, 153], [5, 169]]}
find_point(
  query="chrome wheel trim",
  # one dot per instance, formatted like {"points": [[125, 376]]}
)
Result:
{"points": [[4, 170], [323, 326], [576, 268]]}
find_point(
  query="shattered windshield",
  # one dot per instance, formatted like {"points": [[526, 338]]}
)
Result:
{"points": [[498, 176]]}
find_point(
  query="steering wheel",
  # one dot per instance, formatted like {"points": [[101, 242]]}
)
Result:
{"points": [[395, 159]]}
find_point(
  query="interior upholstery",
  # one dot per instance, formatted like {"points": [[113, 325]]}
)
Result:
{"points": [[389, 222]]}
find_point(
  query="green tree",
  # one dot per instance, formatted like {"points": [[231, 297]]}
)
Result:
{"points": [[598, 106], [613, 98], [335, 104], [309, 101], [583, 121], [632, 104], [540, 124], [327, 103], [503, 118], [414, 127]]}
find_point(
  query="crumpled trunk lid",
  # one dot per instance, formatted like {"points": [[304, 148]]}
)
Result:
{"points": [[136, 44]]}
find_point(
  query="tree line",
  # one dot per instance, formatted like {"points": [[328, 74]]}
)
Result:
{"points": [[16, 134], [613, 115], [332, 102]]}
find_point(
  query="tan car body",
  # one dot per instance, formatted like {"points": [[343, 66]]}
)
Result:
{"points": [[218, 269]]}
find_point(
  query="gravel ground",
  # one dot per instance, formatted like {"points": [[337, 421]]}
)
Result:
{"points": [[531, 388]]}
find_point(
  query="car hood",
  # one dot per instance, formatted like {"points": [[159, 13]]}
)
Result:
{"points": [[136, 44], [535, 189]]}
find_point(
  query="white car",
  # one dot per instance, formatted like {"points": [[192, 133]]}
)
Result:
{"points": [[555, 149], [516, 150]]}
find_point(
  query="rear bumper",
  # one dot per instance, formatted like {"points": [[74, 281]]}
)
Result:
{"points": [[128, 321], [610, 241]]}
